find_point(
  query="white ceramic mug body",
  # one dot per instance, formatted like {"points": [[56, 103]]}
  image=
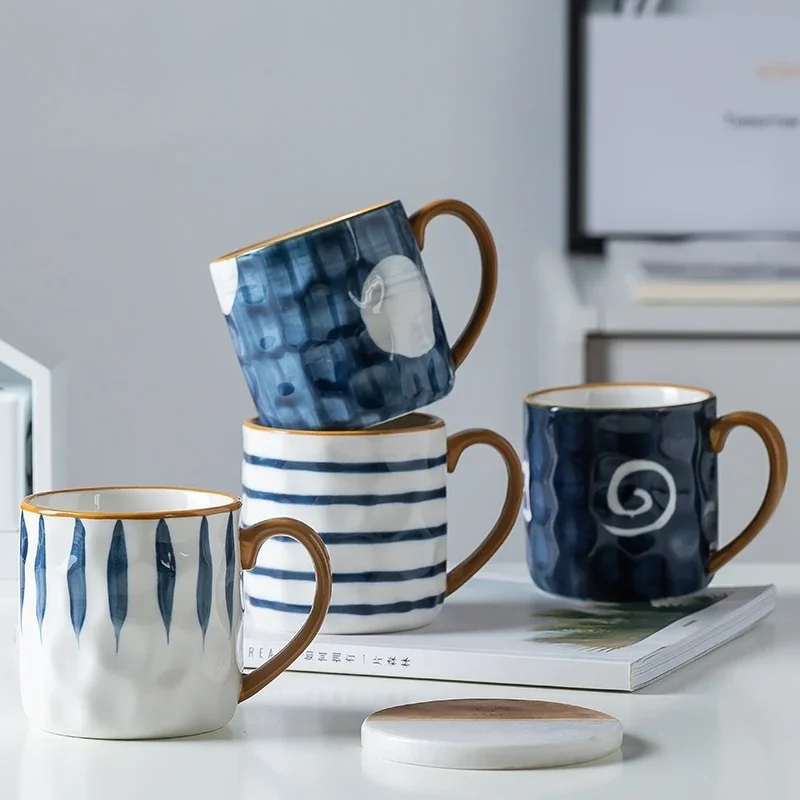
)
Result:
{"points": [[130, 627], [378, 499]]}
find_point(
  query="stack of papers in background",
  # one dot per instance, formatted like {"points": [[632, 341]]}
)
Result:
{"points": [[735, 272]]}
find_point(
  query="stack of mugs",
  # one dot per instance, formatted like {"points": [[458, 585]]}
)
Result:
{"points": [[129, 611], [129, 596], [341, 344]]}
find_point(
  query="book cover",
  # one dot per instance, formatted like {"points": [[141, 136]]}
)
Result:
{"points": [[505, 631]]}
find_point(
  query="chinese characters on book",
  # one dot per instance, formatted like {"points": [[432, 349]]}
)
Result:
{"points": [[398, 662]]}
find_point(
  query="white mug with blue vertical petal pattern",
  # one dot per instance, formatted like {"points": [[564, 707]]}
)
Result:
{"points": [[130, 609], [378, 498]]}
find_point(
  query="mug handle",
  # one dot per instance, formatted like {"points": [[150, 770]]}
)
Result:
{"points": [[776, 482], [456, 445], [250, 540], [419, 221]]}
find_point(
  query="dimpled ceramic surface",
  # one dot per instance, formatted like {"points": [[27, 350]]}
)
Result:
{"points": [[621, 504], [490, 734], [129, 628], [337, 327], [379, 503]]}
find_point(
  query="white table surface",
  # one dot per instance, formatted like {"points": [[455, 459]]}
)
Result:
{"points": [[724, 727]]}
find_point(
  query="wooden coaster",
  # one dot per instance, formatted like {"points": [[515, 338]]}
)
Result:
{"points": [[490, 734]]}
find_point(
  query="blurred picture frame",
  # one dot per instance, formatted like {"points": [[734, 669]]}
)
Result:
{"points": [[700, 139]]}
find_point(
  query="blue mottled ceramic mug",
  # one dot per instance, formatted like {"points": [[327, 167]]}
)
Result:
{"points": [[335, 326], [621, 489], [130, 609]]}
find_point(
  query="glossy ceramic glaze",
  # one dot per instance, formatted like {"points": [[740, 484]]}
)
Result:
{"points": [[379, 500], [336, 326], [130, 611], [622, 493]]}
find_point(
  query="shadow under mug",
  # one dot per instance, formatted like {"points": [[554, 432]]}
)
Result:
{"points": [[621, 489], [335, 326], [130, 609], [379, 500]]}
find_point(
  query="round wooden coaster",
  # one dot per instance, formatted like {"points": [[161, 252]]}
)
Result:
{"points": [[490, 734]]}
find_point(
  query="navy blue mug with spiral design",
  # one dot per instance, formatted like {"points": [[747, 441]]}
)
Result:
{"points": [[335, 326], [621, 497]]}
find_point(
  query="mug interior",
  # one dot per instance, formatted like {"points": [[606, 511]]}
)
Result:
{"points": [[593, 397], [130, 501]]}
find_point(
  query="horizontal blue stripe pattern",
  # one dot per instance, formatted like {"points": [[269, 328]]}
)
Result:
{"points": [[382, 576], [346, 499], [353, 468], [358, 609], [375, 537]]}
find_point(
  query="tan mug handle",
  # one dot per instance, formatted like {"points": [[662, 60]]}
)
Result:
{"points": [[456, 445], [778, 469], [250, 540], [480, 314]]}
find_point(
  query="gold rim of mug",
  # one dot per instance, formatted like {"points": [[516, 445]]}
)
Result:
{"points": [[530, 399], [431, 423], [282, 237], [29, 504]]}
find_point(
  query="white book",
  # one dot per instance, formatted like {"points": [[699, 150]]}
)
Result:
{"points": [[504, 631]]}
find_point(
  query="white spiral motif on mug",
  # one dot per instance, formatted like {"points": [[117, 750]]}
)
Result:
{"points": [[527, 514], [396, 307], [612, 497], [225, 277]]}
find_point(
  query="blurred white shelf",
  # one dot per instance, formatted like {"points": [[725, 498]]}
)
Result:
{"points": [[26, 359], [588, 326]]}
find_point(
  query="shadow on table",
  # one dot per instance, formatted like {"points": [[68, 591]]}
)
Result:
{"points": [[634, 748]]}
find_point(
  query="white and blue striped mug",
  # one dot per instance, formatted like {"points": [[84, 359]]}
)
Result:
{"points": [[378, 498], [130, 609]]}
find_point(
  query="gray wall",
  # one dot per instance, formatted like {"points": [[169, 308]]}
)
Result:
{"points": [[140, 141]]}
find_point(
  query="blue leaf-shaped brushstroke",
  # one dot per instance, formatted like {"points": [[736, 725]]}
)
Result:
{"points": [[40, 575], [230, 570], [117, 580], [23, 557], [204, 579], [165, 572], [76, 578]]}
